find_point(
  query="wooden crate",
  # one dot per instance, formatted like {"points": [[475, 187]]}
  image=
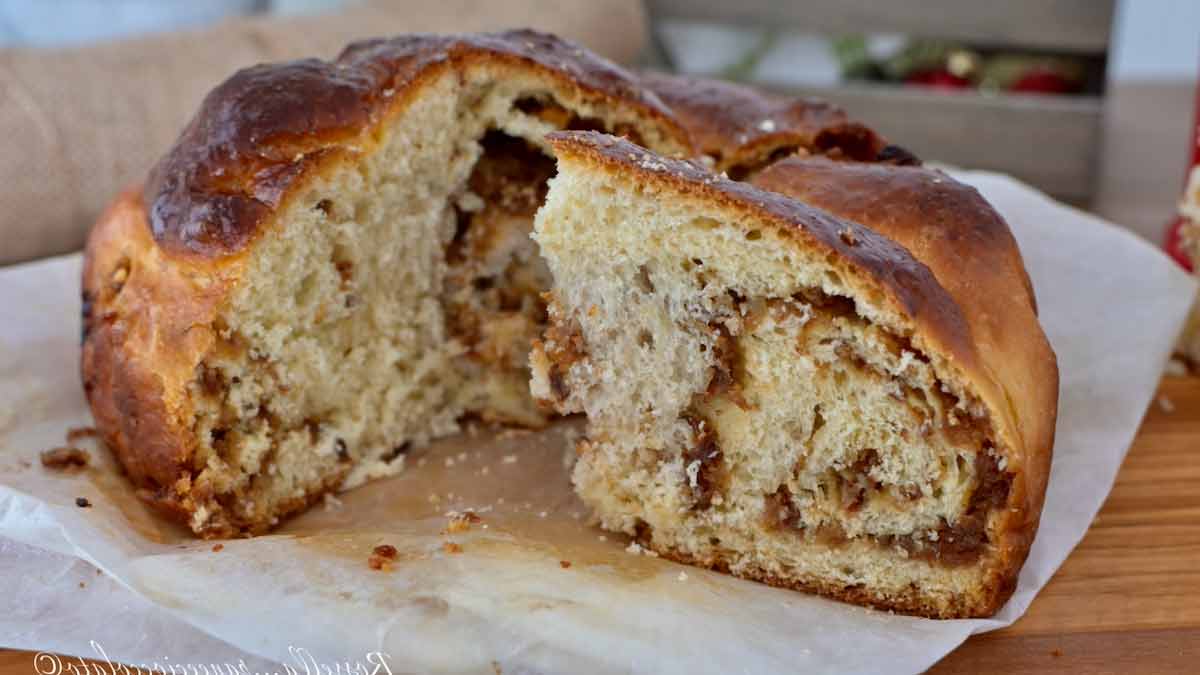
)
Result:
{"points": [[1051, 142]]}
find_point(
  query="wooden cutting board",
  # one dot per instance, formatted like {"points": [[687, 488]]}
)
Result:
{"points": [[1127, 600]]}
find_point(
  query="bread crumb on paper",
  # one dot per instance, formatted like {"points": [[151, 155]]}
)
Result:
{"points": [[382, 557], [683, 576], [451, 548], [83, 503], [565, 564], [217, 548], [76, 433], [65, 458], [460, 522], [635, 548]]}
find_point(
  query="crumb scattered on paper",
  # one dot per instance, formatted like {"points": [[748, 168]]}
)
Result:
{"points": [[683, 576], [635, 548], [451, 548], [565, 564], [83, 503], [76, 433], [381, 557], [65, 458], [461, 522], [217, 548]]}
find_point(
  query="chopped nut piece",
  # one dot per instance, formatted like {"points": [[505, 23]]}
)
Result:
{"points": [[386, 551], [564, 564]]}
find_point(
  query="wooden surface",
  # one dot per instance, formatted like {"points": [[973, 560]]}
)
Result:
{"points": [[1127, 600]]}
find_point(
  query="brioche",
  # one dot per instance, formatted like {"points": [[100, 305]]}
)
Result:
{"points": [[847, 392], [333, 264], [805, 359]]}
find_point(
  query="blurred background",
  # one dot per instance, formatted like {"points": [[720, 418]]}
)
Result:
{"points": [[1092, 101]]}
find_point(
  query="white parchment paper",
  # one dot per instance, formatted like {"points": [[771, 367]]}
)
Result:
{"points": [[533, 589]]}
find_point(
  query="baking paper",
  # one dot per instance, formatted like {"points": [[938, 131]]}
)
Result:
{"points": [[530, 587]]}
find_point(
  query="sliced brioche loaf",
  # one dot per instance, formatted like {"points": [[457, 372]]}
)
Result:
{"points": [[333, 263], [777, 389]]}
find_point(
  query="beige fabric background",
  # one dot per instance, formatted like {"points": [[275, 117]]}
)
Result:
{"points": [[77, 125]]}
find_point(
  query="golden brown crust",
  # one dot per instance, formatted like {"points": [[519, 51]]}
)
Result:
{"points": [[266, 127], [910, 284], [740, 127], [145, 324], [913, 602], [944, 259]]}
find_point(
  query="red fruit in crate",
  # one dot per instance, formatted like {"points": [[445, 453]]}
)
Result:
{"points": [[938, 79], [1173, 244], [1043, 81]]}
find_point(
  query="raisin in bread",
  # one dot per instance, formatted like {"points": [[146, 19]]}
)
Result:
{"points": [[832, 379], [333, 263]]}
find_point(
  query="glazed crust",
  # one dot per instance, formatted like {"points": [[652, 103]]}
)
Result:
{"points": [[147, 320], [261, 131], [943, 259], [741, 128]]}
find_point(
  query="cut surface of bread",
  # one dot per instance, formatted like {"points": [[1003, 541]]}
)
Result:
{"points": [[782, 392], [334, 264]]}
